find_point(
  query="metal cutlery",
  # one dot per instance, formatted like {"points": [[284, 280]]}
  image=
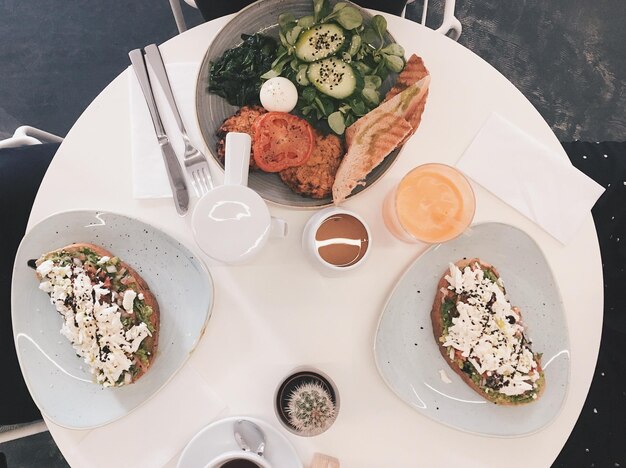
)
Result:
{"points": [[174, 171], [195, 161], [249, 436]]}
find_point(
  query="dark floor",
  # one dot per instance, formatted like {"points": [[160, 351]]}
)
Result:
{"points": [[568, 57], [36, 451]]}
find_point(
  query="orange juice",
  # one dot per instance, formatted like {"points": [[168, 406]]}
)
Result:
{"points": [[432, 203]]}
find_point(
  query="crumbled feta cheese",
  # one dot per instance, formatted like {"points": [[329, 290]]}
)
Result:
{"points": [[92, 324], [129, 298], [488, 333], [444, 376], [45, 267]]}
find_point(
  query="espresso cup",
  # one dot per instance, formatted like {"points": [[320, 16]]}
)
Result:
{"points": [[232, 223], [336, 240], [238, 459]]}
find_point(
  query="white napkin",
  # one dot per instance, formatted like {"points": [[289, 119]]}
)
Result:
{"points": [[164, 425], [149, 174], [531, 178]]}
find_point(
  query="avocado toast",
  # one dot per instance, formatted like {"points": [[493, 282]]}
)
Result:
{"points": [[482, 336], [109, 314]]}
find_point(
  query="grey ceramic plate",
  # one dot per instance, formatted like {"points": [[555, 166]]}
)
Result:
{"points": [[57, 378], [212, 110], [408, 357]]}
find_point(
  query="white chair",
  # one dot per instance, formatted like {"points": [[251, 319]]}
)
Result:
{"points": [[17, 431], [450, 26], [26, 135]]}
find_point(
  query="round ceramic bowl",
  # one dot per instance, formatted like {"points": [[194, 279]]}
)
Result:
{"points": [[212, 110]]}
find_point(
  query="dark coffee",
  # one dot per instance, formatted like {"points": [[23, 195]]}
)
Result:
{"points": [[239, 463], [341, 240]]}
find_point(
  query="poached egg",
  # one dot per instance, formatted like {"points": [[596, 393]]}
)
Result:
{"points": [[278, 94]]}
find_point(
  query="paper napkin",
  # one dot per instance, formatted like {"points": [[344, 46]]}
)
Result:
{"points": [[530, 177], [149, 174], [155, 432]]}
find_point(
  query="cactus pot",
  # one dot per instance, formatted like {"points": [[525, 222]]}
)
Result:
{"points": [[303, 378]]}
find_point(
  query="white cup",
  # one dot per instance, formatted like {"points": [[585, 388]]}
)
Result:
{"points": [[232, 223], [220, 460], [311, 247]]}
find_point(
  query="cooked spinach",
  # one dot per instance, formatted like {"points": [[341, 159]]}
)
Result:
{"points": [[236, 75]]}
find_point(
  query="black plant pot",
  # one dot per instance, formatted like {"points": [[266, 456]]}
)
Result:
{"points": [[299, 377]]}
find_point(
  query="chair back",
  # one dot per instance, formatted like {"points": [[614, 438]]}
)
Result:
{"points": [[450, 25]]}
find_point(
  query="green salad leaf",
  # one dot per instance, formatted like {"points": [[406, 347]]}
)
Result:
{"points": [[347, 16], [337, 123], [366, 52], [239, 73]]}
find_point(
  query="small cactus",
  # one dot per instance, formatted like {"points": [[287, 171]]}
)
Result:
{"points": [[311, 409]]}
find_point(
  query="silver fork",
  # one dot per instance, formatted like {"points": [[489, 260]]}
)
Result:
{"points": [[195, 161]]}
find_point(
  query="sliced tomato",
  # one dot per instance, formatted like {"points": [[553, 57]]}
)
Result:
{"points": [[281, 140]]}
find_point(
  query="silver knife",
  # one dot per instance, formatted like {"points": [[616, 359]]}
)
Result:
{"points": [[174, 170]]}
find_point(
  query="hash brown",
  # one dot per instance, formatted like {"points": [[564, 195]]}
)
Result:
{"points": [[315, 177], [241, 121]]}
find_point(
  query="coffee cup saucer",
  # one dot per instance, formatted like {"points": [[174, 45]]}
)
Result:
{"points": [[217, 438]]}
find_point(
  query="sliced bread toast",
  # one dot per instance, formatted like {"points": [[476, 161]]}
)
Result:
{"points": [[400, 112], [482, 337], [367, 150], [110, 315]]}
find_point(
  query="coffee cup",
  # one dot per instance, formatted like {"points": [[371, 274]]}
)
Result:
{"points": [[232, 223], [238, 459], [336, 240]]}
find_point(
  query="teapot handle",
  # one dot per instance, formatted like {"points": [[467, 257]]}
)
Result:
{"points": [[237, 159], [278, 228]]}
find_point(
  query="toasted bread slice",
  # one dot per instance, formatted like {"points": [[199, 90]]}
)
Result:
{"points": [[400, 114], [369, 146], [413, 71], [504, 377], [406, 104], [413, 84], [102, 298]]}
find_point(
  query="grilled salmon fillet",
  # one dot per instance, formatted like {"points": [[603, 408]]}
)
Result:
{"points": [[368, 147]]}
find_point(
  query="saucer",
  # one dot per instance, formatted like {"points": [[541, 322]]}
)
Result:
{"points": [[218, 438]]}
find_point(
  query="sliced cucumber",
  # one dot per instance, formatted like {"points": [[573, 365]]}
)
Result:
{"points": [[320, 41], [333, 77]]}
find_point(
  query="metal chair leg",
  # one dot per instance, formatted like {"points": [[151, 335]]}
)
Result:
{"points": [[178, 16]]}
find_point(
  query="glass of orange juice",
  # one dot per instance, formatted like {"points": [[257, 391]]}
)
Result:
{"points": [[433, 203]]}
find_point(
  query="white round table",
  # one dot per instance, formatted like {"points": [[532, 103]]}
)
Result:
{"points": [[271, 316]]}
